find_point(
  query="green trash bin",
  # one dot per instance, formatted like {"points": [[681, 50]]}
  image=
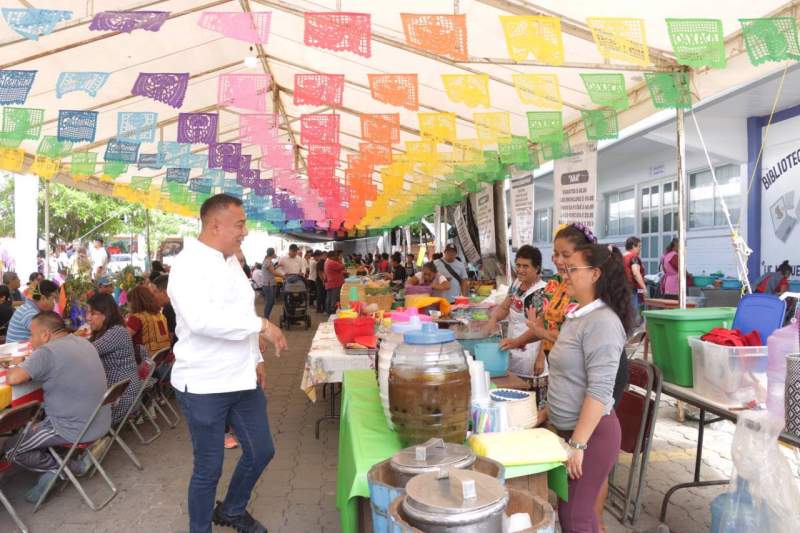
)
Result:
{"points": [[669, 330]]}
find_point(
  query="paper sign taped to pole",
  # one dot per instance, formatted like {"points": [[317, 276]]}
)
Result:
{"points": [[521, 210], [575, 186]]}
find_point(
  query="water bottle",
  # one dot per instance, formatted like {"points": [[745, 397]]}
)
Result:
{"points": [[734, 512], [782, 342]]}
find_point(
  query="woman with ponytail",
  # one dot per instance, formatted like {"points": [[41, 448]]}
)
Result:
{"points": [[775, 282], [583, 370]]}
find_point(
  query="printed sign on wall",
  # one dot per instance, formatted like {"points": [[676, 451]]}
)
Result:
{"points": [[780, 197]]}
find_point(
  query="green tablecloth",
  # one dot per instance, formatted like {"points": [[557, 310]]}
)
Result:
{"points": [[365, 439]]}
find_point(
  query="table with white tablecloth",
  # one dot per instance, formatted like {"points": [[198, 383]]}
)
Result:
{"points": [[325, 363]]}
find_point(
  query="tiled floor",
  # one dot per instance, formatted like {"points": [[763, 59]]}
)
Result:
{"points": [[297, 492]]}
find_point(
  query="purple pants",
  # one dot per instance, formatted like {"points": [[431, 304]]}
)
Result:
{"points": [[577, 515]]}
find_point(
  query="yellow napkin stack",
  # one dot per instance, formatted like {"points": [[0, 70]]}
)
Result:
{"points": [[512, 448]]}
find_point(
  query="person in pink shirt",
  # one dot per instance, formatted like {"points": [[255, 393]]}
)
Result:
{"points": [[334, 279], [669, 264]]}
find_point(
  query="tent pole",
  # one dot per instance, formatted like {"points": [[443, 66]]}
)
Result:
{"points": [[147, 238], [681, 171], [46, 229]]}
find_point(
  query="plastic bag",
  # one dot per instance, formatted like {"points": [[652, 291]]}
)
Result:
{"points": [[764, 495]]}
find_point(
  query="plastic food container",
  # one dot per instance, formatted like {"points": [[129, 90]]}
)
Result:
{"points": [[703, 281], [731, 283], [347, 329], [729, 375], [429, 387], [669, 331]]}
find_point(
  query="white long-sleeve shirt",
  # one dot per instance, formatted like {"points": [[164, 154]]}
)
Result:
{"points": [[217, 326]]}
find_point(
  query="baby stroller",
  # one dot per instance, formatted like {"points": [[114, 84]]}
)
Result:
{"points": [[295, 302]]}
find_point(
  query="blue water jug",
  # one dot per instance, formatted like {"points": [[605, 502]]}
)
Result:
{"points": [[734, 512]]}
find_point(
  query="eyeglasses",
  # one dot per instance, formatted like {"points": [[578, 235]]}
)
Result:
{"points": [[570, 269]]}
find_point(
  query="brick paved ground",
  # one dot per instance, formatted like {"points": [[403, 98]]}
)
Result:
{"points": [[297, 492]]}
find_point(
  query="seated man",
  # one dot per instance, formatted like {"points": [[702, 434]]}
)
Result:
{"points": [[74, 382], [42, 299]]}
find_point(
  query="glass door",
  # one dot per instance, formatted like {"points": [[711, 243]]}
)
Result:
{"points": [[658, 221]]}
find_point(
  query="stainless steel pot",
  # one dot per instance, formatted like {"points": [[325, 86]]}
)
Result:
{"points": [[431, 456], [455, 501]]}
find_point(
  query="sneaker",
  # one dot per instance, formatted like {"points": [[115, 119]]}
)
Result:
{"points": [[36, 492], [230, 441], [81, 466], [243, 523]]}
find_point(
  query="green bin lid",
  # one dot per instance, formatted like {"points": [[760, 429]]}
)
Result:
{"points": [[698, 313]]}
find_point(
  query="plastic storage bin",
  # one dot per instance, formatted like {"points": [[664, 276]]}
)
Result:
{"points": [[729, 375], [669, 330]]}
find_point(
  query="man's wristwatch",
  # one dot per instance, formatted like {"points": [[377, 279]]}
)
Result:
{"points": [[577, 445]]}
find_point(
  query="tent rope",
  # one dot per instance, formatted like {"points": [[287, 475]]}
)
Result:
{"points": [[740, 248]]}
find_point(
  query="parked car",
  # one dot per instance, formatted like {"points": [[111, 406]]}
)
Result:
{"points": [[116, 262]]}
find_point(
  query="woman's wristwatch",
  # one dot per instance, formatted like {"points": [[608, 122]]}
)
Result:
{"points": [[577, 445]]}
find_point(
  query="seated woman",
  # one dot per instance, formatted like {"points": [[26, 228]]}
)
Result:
{"points": [[115, 347], [430, 277], [146, 323]]}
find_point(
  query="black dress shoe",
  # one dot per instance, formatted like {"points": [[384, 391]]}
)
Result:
{"points": [[243, 523]]}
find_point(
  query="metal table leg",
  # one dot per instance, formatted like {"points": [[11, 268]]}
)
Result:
{"points": [[697, 464], [332, 402]]}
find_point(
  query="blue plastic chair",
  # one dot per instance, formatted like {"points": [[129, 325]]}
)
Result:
{"points": [[762, 312]]}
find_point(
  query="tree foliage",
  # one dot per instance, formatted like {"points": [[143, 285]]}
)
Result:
{"points": [[74, 213]]}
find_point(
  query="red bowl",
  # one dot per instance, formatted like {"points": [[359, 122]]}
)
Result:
{"points": [[347, 329]]}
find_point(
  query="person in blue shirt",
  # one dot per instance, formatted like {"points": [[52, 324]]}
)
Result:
{"points": [[43, 298]]}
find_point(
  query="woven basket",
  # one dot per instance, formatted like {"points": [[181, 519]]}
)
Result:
{"points": [[383, 301], [520, 406]]}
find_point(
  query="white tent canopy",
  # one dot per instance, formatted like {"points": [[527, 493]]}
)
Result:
{"points": [[182, 46]]}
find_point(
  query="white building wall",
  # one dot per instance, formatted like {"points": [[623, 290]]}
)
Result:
{"points": [[634, 163]]}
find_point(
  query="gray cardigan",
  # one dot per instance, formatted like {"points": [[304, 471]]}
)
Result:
{"points": [[584, 362]]}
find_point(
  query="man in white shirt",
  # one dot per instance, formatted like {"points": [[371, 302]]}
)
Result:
{"points": [[218, 373], [99, 259], [292, 264]]}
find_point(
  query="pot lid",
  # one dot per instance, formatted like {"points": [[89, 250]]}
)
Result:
{"points": [[433, 454], [451, 491], [429, 334]]}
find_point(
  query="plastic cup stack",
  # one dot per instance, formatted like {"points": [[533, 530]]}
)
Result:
{"points": [[479, 383]]}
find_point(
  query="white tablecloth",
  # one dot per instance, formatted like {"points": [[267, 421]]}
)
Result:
{"points": [[327, 360]]}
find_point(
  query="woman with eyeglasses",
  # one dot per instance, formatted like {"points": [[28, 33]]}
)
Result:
{"points": [[114, 345], [583, 372], [557, 302], [526, 292]]}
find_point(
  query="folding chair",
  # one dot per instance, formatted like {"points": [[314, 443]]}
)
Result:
{"points": [[637, 413], [20, 417], [161, 359], [146, 368], [111, 396]]}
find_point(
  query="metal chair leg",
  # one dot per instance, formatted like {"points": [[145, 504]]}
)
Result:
{"points": [[151, 419], [13, 513], [171, 423], [64, 468]]}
